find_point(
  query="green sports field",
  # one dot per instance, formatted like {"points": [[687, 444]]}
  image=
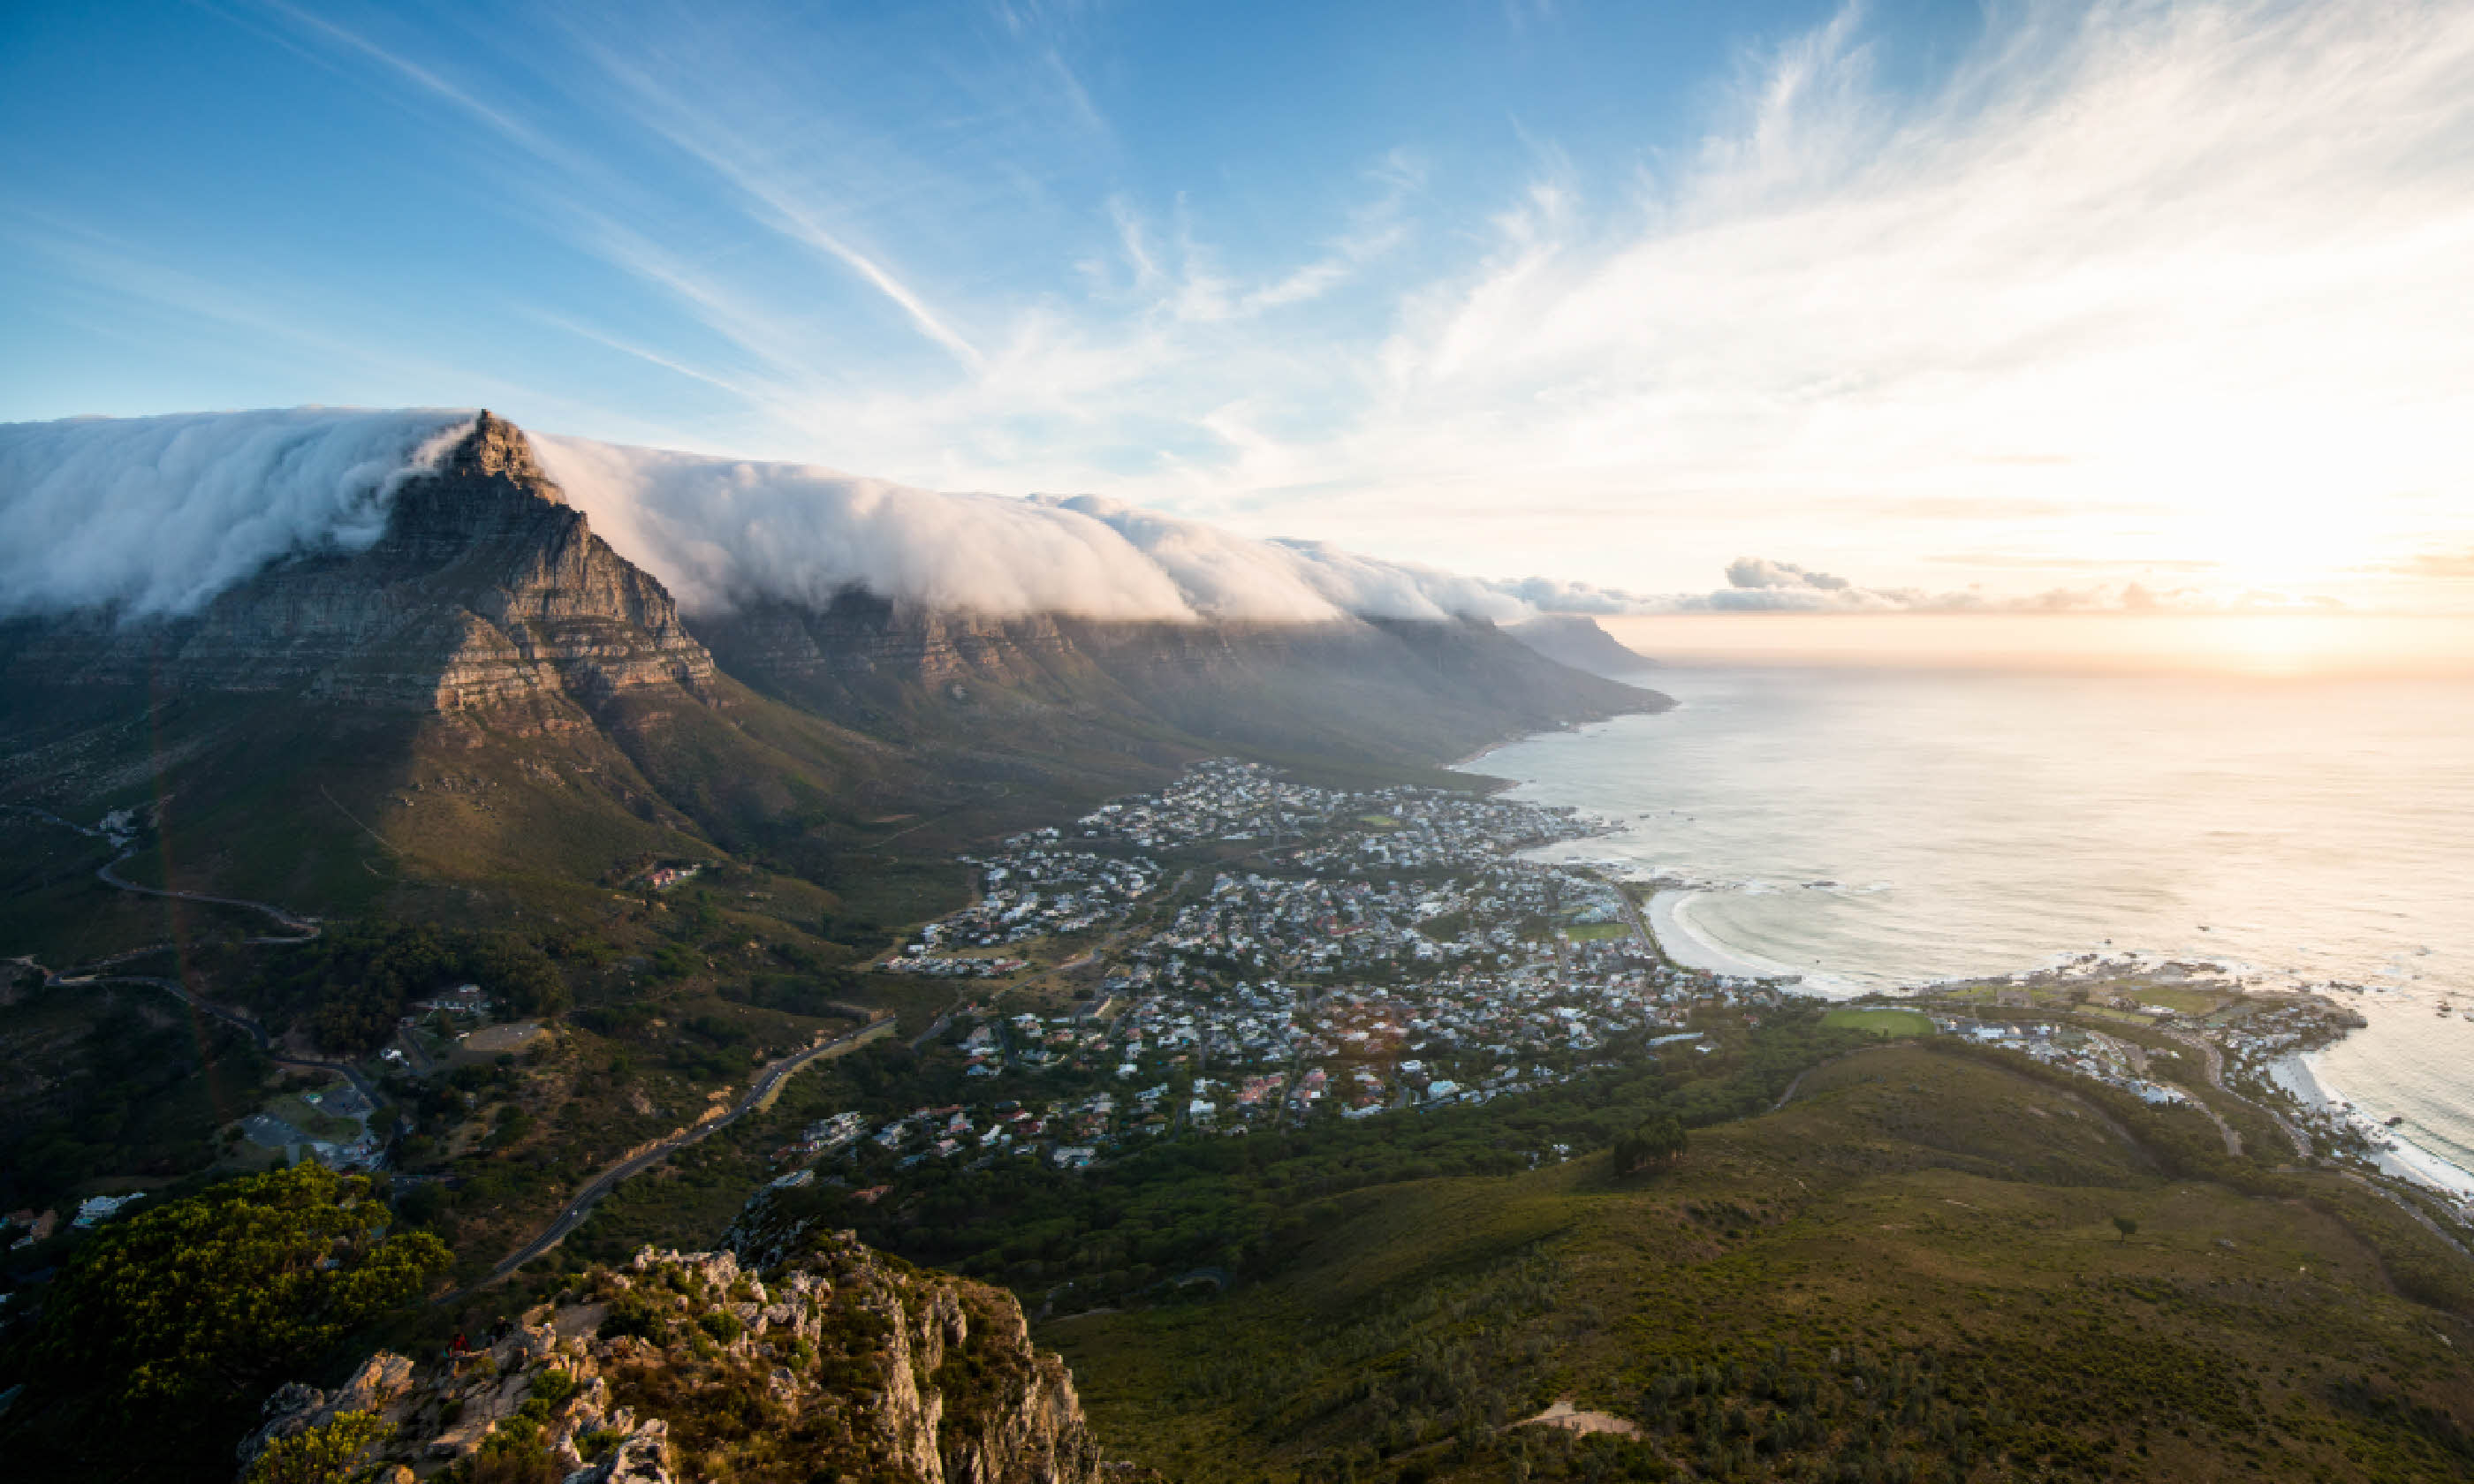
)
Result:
{"points": [[1881, 1022]]}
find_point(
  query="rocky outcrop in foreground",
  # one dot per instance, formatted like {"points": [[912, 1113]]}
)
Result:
{"points": [[835, 1362]]}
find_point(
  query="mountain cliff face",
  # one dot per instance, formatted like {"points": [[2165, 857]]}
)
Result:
{"points": [[833, 1361], [487, 590], [1575, 640], [1394, 692], [490, 691]]}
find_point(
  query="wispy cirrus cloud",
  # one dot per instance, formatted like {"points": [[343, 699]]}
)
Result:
{"points": [[2180, 281]]}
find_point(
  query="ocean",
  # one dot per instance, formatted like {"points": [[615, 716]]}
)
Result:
{"points": [[1883, 829]]}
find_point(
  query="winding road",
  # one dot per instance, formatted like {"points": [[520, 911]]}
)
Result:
{"points": [[2214, 1061], [759, 1094], [305, 929]]}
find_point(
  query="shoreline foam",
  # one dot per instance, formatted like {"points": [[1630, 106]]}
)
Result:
{"points": [[2300, 1078], [1693, 949]]}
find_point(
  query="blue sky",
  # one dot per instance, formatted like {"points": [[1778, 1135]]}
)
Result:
{"points": [[2031, 299]]}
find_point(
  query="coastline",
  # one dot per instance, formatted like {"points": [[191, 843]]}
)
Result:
{"points": [[1684, 944], [1667, 704], [2299, 1077], [1686, 936]]}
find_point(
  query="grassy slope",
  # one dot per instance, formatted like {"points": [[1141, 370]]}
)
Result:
{"points": [[340, 812], [1910, 1210]]}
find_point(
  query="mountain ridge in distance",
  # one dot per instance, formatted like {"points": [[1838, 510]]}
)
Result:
{"points": [[311, 723], [1577, 640], [488, 724]]}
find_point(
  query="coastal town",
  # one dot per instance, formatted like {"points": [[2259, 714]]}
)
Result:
{"points": [[1240, 951]]}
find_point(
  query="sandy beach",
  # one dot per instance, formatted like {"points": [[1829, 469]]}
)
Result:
{"points": [[1669, 919], [2300, 1077]]}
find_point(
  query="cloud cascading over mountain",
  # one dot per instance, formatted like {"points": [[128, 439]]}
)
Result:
{"points": [[721, 531], [154, 516]]}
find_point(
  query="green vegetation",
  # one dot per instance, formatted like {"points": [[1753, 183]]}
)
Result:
{"points": [[2186, 1001], [1911, 1271], [1242, 1206], [1653, 1145], [349, 987], [328, 1454], [186, 1315], [114, 1086], [1883, 1021], [516, 1452]]}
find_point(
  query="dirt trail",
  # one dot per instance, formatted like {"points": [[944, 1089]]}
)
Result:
{"points": [[1563, 1415]]}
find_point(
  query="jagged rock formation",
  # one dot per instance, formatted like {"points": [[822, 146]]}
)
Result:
{"points": [[487, 590], [831, 1361]]}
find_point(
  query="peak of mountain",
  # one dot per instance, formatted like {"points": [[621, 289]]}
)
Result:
{"points": [[497, 448], [485, 590]]}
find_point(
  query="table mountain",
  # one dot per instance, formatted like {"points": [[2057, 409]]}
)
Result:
{"points": [[486, 590]]}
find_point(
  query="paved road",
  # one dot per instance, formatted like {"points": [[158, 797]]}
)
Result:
{"points": [[2215, 1060], [1641, 928], [304, 928], [238, 1019], [573, 1215]]}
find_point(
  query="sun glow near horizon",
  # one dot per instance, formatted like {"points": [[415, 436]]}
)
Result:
{"points": [[2256, 646]]}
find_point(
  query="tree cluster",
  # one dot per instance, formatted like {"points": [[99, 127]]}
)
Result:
{"points": [[181, 1319], [349, 988]]}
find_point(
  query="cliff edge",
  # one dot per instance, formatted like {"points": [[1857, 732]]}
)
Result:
{"points": [[837, 1362], [487, 588]]}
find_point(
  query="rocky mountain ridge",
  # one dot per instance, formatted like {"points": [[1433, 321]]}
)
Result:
{"points": [[827, 1361], [1396, 691], [487, 590], [491, 692]]}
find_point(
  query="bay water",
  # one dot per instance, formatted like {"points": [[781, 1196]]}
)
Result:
{"points": [[1883, 829]]}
